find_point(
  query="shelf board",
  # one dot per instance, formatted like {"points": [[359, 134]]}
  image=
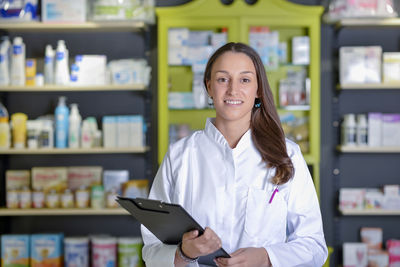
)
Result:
{"points": [[370, 212], [96, 26], [55, 212], [385, 22], [296, 107], [59, 88], [100, 150], [368, 149], [362, 86]]}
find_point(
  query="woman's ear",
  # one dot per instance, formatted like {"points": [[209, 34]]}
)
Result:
{"points": [[209, 91]]}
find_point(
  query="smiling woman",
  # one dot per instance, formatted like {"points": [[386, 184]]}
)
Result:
{"points": [[240, 178]]}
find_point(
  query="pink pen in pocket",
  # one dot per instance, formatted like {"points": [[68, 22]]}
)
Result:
{"points": [[276, 190]]}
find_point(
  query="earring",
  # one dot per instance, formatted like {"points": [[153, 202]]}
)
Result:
{"points": [[257, 103]]}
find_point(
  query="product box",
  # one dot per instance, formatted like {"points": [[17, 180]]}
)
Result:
{"points": [[113, 179], [123, 131], [391, 67], [16, 179], [136, 131], [15, 250], [266, 43], [48, 178], [372, 236], [301, 50], [391, 129], [393, 248], [91, 70], [360, 64], [47, 250], [63, 11], [351, 198], [110, 131], [374, 129], [373, 199], [378, 259], [84, 176], [178, 37], [180, 100], [391, 199], [355, 254], [136, 188]]}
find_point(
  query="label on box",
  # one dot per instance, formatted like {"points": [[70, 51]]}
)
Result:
{"points": [[84, 176], [47, 178]]}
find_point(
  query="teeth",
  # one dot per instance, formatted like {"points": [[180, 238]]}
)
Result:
{"points": [[233, 102]]}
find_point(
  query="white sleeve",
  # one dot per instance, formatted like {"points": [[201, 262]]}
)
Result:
{"points": [[305, 244], [155, 253]]}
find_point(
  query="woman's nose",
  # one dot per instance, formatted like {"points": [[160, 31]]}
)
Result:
{"points": [[233, 88]]}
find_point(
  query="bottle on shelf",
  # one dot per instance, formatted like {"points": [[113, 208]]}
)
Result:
{"points": [[4, 128], [61, 72], [74, 127], [18, 62], [349, 130], [5, 61], [362, 130], [62, 123], [49, 65]]}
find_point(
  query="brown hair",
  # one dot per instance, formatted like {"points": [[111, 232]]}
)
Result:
{"points": [[266, 129]]}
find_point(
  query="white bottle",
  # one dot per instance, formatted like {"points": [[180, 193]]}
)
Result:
{"points": [[349, 130], [18, 62], [362, 130], [87, 138], [49, 65], [5, 62], [75, 119], [61, 73]]}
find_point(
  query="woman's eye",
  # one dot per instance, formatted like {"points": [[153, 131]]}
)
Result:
{"points": [[222, 80], [245, 80]]}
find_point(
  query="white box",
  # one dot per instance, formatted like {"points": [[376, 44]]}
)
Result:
{"points": [[123, 131], [391, 190], [355, 254], [351, 198], [301, 50], [373, 199], [178, 37], [136, 135], [372, 236], [91, 70], [110, 131], [63, 10], [360, 64], [378, 258], [374, 129], [391, 129], [113, 179], [391, 67]]}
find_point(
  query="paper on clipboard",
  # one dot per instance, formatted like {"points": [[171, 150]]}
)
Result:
{"points": [[168, 222]]}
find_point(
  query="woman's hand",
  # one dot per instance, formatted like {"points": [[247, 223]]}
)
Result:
{"points": [[195, 246], [246, 257]]}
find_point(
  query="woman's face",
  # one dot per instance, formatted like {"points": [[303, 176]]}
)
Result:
{"points": [[233, 87]]}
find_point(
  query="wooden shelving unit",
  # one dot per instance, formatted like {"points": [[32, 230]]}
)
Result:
{"points": [[59, 88], [99, 150], [370, 212], [57, 212], [368, 149], [40, 26], [372, 86]]}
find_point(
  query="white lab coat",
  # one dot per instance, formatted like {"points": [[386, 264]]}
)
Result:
{"points": [[229, 191]]}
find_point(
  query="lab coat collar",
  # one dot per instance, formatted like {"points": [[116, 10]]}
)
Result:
{"points": [[213, 133]]}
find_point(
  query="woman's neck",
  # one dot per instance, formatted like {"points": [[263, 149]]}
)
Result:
{"points": [[232, 131]]}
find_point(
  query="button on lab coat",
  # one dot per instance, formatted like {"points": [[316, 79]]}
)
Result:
{"points": [[229, 190]]}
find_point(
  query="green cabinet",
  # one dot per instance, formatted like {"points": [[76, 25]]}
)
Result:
{"points": [[288, 19]]}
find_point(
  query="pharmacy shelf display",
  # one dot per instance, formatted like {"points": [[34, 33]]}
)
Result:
{"points": [[61, 88], [356, 166], [236, 23], [96, 101], [57, 212]]}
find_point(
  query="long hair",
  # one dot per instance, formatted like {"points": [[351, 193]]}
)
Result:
{"points": [[266, 129]]}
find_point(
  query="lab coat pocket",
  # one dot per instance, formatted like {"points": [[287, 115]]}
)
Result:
{"points": [[264, 220]]}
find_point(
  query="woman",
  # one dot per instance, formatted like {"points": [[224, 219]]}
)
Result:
{"points": [[240, 178]]}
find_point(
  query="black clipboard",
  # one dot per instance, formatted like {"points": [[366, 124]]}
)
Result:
{"points": [[168, 222]]}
